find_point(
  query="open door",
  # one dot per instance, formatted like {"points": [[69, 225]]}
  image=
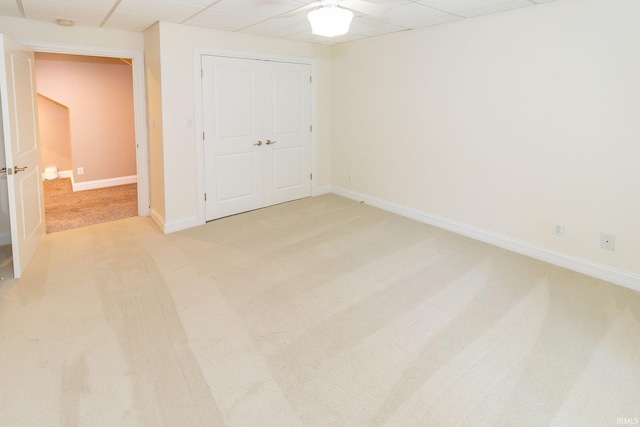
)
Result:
{"points": [[22, 150]]}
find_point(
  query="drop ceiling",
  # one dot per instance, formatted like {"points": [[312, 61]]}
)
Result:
{"points": [[258, 17]]}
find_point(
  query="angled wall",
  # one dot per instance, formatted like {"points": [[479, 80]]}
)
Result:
{"points": [[55, 134]]}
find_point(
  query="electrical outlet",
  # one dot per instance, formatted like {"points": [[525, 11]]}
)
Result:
{"points": [[608, 241], [80, 171], [558, 229]]}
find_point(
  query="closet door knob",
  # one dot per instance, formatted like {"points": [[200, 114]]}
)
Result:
{"points": [[269, 142], [259, 143]]}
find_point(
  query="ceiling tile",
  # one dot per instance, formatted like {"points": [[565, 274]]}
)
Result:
{"points": [[513, 4], [201, 3], [223, 20], [428, 22], [455, 6], [262, 8], [410, 12], [9, 8], [51, 10], [384, 30], [100, 4], [160, 10], [129, 22], [280, 27], [362, 25]]}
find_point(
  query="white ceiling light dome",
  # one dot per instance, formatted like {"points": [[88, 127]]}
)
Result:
{"points": [[330, 21]]}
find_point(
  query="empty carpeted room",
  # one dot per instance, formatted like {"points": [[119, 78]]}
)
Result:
{"points": [[427, 215]]}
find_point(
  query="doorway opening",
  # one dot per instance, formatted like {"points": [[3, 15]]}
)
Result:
{"points": [[22, 203], [87, 139]]}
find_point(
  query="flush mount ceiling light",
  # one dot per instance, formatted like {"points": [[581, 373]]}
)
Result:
{"points": [[330, 21], [331, 18]]}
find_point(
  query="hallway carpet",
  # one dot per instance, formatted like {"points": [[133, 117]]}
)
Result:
{"points": [[65, 209], [318, 312]]}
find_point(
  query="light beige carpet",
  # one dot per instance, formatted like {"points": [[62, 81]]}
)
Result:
{"points": [[319, 312], [66, 209]]}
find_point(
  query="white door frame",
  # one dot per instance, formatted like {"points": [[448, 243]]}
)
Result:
{"points": [[139, 103], [198, 51]]}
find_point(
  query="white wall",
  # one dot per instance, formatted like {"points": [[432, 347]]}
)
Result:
{"points": [[154, 107], [26, 30], [176, 46], [506, 123]]}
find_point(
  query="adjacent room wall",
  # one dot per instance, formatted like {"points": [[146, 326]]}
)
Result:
{"points": [[176, 52], [55, 134], [506, 123], [99, 95]]}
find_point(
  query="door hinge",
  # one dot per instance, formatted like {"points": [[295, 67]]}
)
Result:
{"points": [[205, 197], [311, 176], [203, 136], [310, 79], [201, 73], [310, 128]]}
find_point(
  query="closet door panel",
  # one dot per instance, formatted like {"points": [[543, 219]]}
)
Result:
{"points": [[233, 101], [288, 163]]}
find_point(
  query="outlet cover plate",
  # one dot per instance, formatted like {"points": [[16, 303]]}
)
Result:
{"points": [[558, 229], [608, 241]]}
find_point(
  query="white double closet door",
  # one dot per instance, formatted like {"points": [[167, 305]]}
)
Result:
{"points": [[257, 133]]}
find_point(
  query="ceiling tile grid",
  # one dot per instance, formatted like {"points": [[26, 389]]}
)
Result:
{"points": [[260, 17]]}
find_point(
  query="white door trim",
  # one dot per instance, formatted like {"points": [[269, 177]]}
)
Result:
{"points": [[198, 51], [139, 103]]}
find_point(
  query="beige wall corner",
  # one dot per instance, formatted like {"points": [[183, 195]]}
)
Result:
{"points": [[155, 122]]}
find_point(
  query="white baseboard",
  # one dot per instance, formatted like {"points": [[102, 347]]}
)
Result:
{"points": [[319, 191], [181, 224], [159, 220], [173, 225], [581, 265], [62, 174], [103, 183], [5, 238]]}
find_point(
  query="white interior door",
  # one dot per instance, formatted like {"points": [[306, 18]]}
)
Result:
{"points": [[288, 157], [257, 125], [233, 96], [22, 151]]}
